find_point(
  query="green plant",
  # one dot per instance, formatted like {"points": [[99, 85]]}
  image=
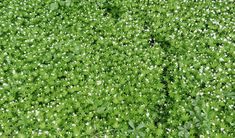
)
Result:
{"points": [[136, 131], [72, 68]]}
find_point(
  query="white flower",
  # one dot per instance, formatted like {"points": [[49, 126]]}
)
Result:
{"points": [[147, 114], [221, 59], [99, 82]]}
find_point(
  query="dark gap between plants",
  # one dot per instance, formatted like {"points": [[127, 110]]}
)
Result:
{"points": [[166, 77], [114, 11]]}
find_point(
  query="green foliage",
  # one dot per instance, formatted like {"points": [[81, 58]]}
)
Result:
{"points": [[72, 68], [54, 6], [136, 131]]}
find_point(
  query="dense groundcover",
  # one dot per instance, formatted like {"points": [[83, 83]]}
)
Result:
{"points": [[117, 68]]}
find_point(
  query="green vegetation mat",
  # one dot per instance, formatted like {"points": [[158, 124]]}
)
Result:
{"points": [[117, 68]]}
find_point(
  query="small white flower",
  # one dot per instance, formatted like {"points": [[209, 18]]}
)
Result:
{"points": [[4, 84], [147, 114], [99, 82], [221, 59], [222, 129]]}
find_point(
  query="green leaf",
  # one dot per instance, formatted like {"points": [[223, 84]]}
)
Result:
{"points": [[231, 94], [142, 125], [142, 134], [131, 124], [68, 3], [101, 110], [54, 6]]}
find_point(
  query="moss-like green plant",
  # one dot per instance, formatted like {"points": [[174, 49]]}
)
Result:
{"points": [[117, 68]]}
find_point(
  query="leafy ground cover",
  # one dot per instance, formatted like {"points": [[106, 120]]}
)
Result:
{"points": [[117, 68]]}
